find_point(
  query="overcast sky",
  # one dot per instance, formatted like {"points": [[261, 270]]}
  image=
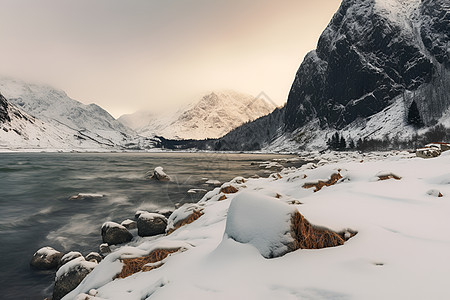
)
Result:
{"points": [[129, 55]]}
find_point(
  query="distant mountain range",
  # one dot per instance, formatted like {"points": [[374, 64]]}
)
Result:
{"points": [[214, 115], [37, 117], [21, 131]]}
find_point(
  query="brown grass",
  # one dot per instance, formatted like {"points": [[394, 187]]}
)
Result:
{"points": [[307, 236], [191, 218], [229, 189], [223, 197], [134, 265], [320, 184], [389, 176]]}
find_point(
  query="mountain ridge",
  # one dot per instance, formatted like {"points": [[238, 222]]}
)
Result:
{"points": [[212, 116], [373, 63]]}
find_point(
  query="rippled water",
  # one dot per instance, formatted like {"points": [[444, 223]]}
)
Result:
{"points": [[35, 209]]}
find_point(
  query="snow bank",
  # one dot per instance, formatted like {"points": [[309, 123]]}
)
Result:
{"points": [[400, 251], [261, 221]]}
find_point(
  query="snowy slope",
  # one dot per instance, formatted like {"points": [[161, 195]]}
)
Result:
{"points": [[211, 117], [400, 251], [55, 107], [20, 131]]}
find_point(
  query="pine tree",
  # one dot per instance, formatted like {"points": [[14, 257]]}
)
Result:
{"points": [[342, 143], [351, 144]]}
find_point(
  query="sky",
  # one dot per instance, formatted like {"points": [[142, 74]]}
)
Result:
{"points": [[130, 55]]}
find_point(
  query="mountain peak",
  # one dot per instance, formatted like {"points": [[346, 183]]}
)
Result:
{"points": [[214, 115]]}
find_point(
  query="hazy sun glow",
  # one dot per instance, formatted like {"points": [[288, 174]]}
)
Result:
{"points": [[153, 54]]}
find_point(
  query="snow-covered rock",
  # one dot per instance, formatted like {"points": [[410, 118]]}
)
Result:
{"points": [[114, 233], [70, 256], [150, 224], [129, 224], [70, 276], [46, 258], [159, 174], [261, 221], [94, 257]]}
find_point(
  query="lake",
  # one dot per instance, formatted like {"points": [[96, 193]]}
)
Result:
{"points": [[35, 209]]}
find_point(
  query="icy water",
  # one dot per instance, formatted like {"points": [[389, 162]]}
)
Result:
{"points": [[35, 209]]}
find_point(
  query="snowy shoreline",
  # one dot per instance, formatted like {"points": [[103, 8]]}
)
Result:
{"points": [[398, 204]]}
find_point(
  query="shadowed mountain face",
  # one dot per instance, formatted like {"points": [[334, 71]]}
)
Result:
{"points": [[371, 52], [3, 110], [374, 56]]}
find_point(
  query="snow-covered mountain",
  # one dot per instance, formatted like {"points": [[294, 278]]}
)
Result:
{"points": [[377, 63], [23, 132], [213, 116], [55, 107]]}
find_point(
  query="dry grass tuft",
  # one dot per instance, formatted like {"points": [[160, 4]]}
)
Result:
{"points": [[223, 197], [307, 236], [229, 189], [134, 265], [191, 218], [389, 176], [320, 184]]}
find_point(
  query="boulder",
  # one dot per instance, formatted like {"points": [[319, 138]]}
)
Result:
{"points": [[70, 256], [165, 212], [150, 224], [114, 233], [275, 228], [138, 213], [69, 276], [158, 174], [104, 249], [129, 224], [94, 257], [46, 258]]}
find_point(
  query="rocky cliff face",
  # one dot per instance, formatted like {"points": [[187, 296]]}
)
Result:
{"points": [[4, 117], [371, 52]]}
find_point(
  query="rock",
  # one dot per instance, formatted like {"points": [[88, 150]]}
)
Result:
{"points": [[70, 256], [46, 258], [104, 249], [428, 152], [129, 224], [196, 191], [139, 212], [274, 227], [84, 196], [213, 182], [69, 276], [114, 233], [435, 193], [158, 174], [150, 224], [165, 212], [94, 257]]}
